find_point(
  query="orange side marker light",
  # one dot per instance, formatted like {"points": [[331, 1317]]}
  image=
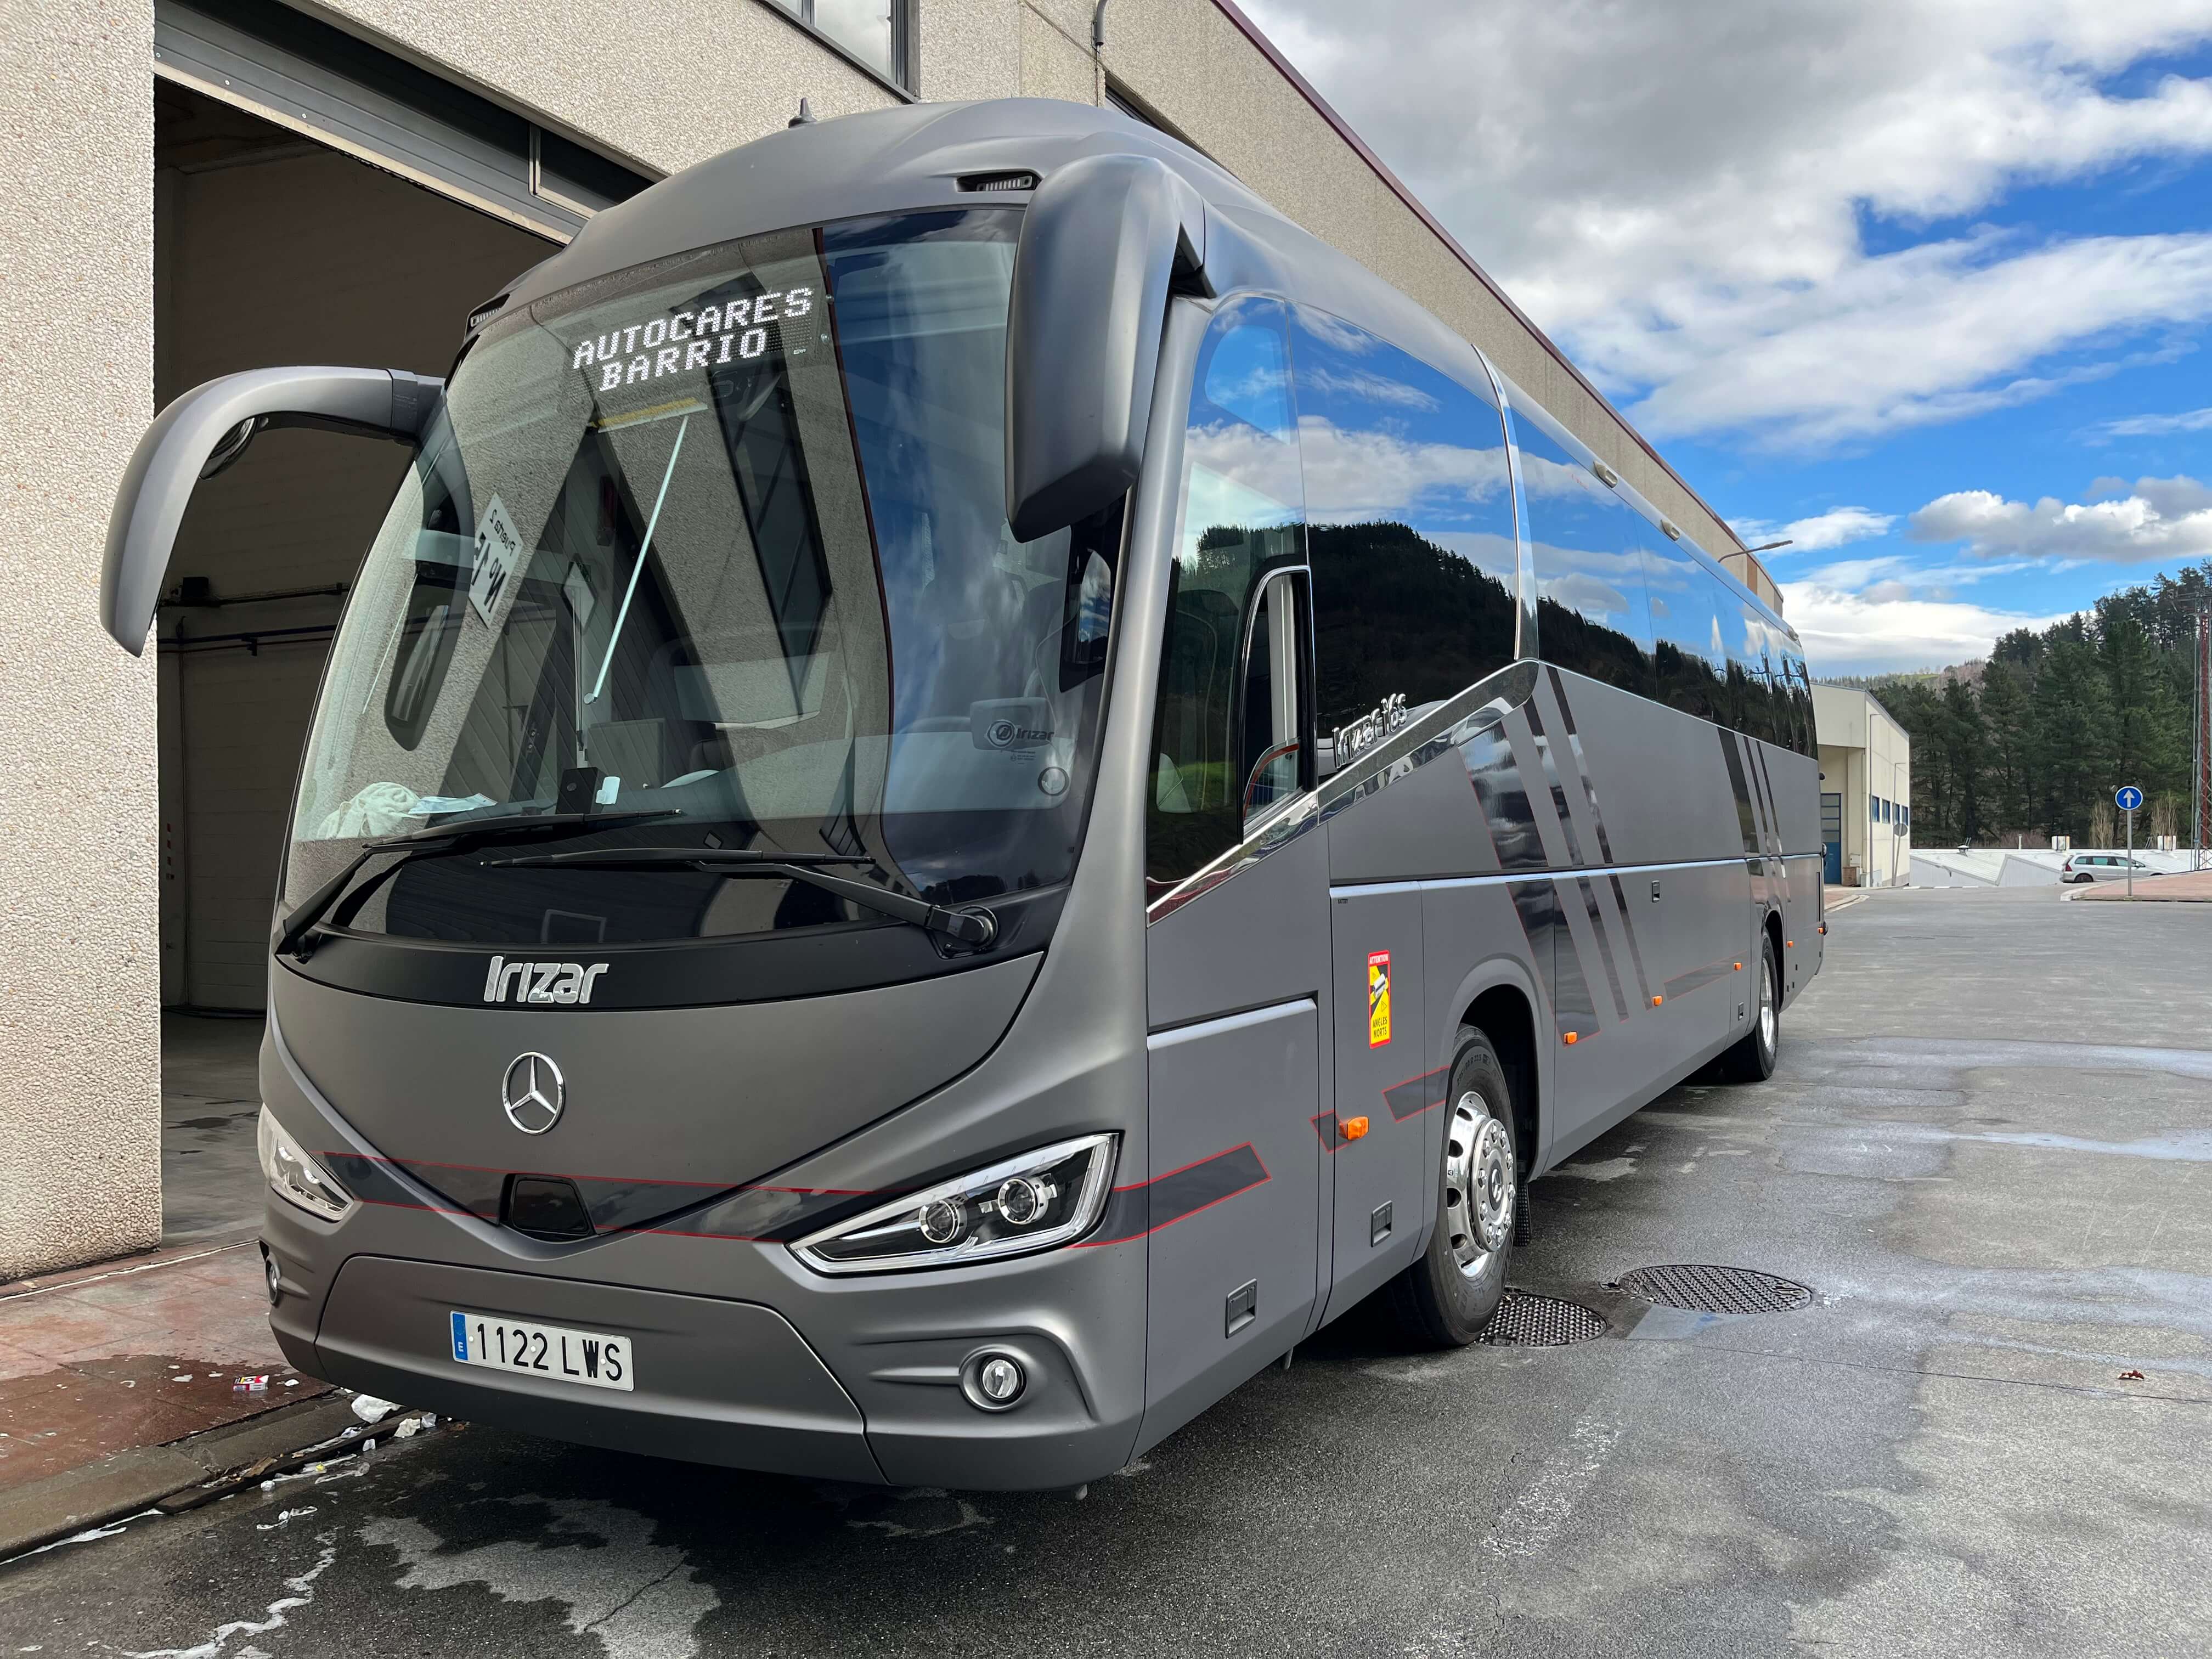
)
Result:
{"points": [[1789, 944], [1656, 1001], [1739, 967], [1573, 1037], [1351, 1127]]}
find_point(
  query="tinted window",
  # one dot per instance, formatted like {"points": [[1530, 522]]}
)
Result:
{"points": [[1410, 510], [1240, 518], [1758, 676], [1689, 652], [1591, 611]]}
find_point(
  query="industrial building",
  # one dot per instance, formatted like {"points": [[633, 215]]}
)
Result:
{"points": [[199, 189], [1866, 789]]}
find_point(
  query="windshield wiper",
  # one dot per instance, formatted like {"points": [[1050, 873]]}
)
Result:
{"points": [[972, 926], [449, 838]]}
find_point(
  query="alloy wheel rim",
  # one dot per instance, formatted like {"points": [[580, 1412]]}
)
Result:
{"points": [[1766, 1006], [1479, 1185]]}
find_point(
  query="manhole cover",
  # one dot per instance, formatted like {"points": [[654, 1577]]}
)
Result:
{"points": [[1526, 1320], [1716, 1290]]}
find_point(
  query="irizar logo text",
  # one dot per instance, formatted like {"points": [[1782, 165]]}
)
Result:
{"points": [[564, 982]]}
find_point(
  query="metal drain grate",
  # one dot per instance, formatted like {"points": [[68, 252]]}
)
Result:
{"points": [[1716, 1290], [1527, 1321]]}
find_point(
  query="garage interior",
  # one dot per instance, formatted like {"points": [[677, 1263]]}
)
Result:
{"points": [[272, 247]]}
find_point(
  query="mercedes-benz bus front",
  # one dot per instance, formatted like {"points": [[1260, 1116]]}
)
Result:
{"points": [[696, 1024]]}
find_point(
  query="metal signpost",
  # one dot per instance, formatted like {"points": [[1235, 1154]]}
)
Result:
{"points": [[2127, 798]]}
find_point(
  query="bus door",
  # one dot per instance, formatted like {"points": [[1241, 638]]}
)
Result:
{"points": [[1237, 896]]}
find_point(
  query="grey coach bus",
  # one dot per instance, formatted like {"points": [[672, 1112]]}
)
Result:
{"points": [[971, 786]]}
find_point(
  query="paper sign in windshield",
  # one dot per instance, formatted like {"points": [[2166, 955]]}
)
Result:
{"points": [[705, 338], [499, 551]]}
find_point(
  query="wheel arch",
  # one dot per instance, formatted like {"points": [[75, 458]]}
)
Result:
{"points": [[1499, 1000]]}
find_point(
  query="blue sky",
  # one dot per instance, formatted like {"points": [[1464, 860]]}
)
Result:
{"points": [[1925, 284]]}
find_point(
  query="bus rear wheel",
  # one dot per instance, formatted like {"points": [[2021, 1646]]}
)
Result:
{"points": [[1752, 1060], [1445, 1299]]}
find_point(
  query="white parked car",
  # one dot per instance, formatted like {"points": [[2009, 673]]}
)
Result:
{"points": [[2100, 866]]}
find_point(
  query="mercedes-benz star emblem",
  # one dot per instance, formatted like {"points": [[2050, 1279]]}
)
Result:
{"points": [[533, 1093]]}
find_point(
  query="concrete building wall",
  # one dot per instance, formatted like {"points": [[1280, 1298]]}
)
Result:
{"points": [[1866, 756], [80, 1053], [660, 83], [310, 257]]}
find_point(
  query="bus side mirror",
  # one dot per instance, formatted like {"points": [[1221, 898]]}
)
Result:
{"points": [[1103, 239], [204, 432]]}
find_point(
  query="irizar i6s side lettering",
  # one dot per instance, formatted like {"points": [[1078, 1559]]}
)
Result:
{"points": [[907, 867]]}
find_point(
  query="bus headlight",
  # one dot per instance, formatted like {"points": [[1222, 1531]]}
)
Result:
{"points": [[297, 1178], [1043, 1198]]}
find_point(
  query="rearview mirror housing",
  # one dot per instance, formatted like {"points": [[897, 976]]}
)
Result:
{"points": [[1104, 239], [208, 429]]}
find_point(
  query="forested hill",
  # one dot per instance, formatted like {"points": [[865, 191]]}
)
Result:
{"points": [[2059, 719]]}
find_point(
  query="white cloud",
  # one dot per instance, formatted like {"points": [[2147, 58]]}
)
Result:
{"points": [[1681, 193], [1351, 476], [2152, 426], [2162, 518], [1834, 528], [1885, 630]]}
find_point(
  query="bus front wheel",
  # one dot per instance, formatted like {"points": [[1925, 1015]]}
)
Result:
{"points": [[1445, 1299]]}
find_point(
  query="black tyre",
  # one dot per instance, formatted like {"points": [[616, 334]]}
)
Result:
{"points": [[1444, 1299], [1752, 1060]]}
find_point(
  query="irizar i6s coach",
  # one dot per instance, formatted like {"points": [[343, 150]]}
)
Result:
{"points": [[972, 785]]}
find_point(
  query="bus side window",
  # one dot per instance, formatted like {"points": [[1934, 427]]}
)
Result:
{"points": [[1593, 614], [1410, 510], [1242, 518], [1689, 657]]}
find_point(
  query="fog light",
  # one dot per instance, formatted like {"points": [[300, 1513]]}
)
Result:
{"points": [[993, 1382], [271, 1272]]}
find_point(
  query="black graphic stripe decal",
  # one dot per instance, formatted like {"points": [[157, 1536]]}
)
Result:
{"points": [[1775, 841], [1500, 791], [1562, 816], [1597, 921], [1565, 748], [1134, 1211], [1540, 781], [1682, 984], [1730, 754], [1415, 1095], [1573, 1009], [1635, 951], [1762, 806]]}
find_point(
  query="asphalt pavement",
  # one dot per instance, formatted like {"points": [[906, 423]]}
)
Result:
{"points": [[1988, 1151]]}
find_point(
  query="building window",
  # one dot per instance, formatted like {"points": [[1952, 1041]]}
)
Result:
{"points": [[876, 33]]}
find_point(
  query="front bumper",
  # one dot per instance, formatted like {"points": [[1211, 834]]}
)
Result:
{"points": [[782, 1371]]}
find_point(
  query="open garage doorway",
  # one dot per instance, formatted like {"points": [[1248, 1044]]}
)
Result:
{"points": [[269, 248]]}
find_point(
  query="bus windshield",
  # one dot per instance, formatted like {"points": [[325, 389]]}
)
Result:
{"points": [[723, 538]]}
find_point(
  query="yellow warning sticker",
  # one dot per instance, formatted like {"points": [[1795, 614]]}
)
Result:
{"points": [[1378, 999]]}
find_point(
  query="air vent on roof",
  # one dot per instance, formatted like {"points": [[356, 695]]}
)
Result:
{"points": [[999, 181], [1674, 531], [1605, 472]]}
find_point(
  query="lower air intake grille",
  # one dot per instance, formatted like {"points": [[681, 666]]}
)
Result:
{"points": [[1716, 1290]]}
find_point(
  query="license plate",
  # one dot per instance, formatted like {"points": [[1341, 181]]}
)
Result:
{"points": [[553, 1351]]}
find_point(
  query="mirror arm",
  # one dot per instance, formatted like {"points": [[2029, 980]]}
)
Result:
{"points": [[208, 429]]}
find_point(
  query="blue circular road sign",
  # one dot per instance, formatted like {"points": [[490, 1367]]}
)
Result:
{"points": [[2127, 798]]}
